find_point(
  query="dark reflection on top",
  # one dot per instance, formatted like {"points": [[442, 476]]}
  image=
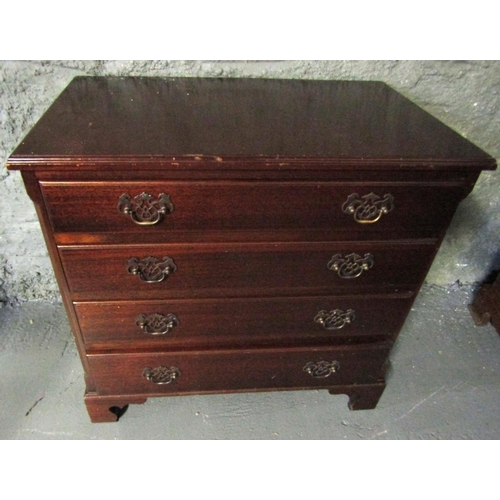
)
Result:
{"points": [[98, 116]]}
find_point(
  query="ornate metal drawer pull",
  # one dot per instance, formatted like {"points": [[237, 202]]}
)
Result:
{"points": [[161, 375], [151, 269], [321, 369], [144, 209], [369, 208], [336, 319], [156, 324], [352, 265]]}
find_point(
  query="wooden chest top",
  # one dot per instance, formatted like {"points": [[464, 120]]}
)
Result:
{"points": [[99, 122]]}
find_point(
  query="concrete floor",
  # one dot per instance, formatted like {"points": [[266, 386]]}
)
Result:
{"points": [[444, 383]]}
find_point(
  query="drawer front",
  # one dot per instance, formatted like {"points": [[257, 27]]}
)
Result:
{"points": [[181, 271], [209, 322], [178, 210], [199, 372]]}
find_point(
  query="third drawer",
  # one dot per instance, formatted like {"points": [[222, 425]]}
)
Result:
{"points": [[242, 321]]}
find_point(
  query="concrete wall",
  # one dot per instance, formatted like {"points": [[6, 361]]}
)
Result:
{"points": [[463, 94]]}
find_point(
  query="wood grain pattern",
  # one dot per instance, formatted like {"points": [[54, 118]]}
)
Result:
{"points": [[127, 121], [212, 323], [241, 369], [100, 273], [251, 207], [308, 172]]}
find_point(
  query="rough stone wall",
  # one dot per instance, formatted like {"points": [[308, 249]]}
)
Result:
{"points": [[463, 94]]}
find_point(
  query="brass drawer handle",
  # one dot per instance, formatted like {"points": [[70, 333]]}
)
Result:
{"points": [[144, 209], [336, 319], [151, 269], [369, 208], [321, 369], [161, 375], [350, 266], [156, 324]]}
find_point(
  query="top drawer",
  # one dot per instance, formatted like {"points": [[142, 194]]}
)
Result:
{"points": [[247, 210]]}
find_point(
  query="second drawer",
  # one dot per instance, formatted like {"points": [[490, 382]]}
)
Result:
{"points": [[238, 270], [250, 321]]}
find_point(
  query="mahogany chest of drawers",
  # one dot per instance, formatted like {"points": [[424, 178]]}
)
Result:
{"points": [[221, 235]]}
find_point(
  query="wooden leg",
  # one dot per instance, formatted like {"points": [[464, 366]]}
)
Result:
{"points": [[361, 397], [480, 309], [109, 408]]}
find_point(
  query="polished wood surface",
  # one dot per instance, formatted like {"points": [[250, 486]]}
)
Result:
{"points": [[252, 270], [110, 409], [212, 323], [121, 120], [265, 180], [225, 207], [233, 370]]}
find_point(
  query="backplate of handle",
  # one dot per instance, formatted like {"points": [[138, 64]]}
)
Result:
{"points": [[144, 209], [161, 375], [321, 369], [335, 319], [368, 209], [156, 324], [151, 269]]}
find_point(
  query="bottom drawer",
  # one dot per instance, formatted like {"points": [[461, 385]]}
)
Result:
{"points": [[245, 370]]}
